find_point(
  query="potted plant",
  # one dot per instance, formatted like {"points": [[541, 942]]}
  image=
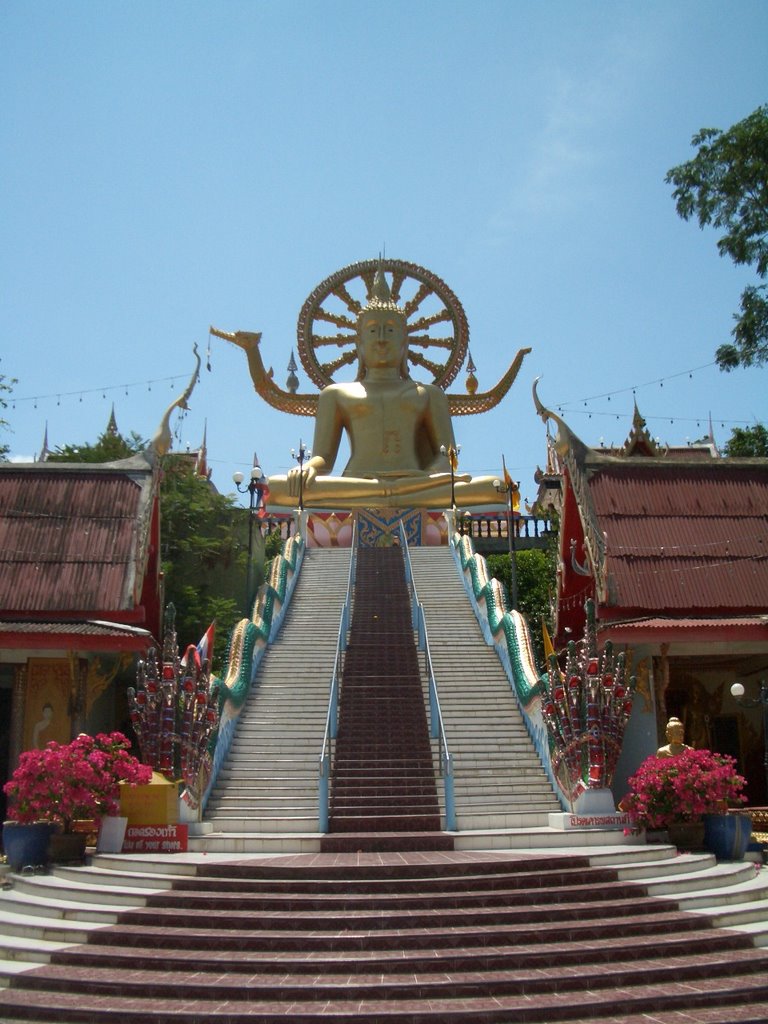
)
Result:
{"points": [[66, 782], [666, 792]]}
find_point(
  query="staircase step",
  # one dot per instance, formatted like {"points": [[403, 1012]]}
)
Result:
{"points": [[496, 769], [383, 736], [384, 933], [269, 784]]}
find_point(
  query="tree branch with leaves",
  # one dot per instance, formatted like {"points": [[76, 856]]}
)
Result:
{"points": [[6, 387], [726, 186]]}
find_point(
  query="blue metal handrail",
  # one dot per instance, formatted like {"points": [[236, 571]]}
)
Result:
{"points": [[437, 726], [332, 715]]}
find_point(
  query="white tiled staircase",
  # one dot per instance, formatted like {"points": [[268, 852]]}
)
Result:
{"points": [[266, 795], [499, 782]]}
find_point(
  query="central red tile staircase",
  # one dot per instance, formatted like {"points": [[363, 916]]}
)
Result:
{"points": [[383, 794], [449, 938]]}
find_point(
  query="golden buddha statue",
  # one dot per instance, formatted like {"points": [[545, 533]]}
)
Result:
{"points": [[674, 745], [400, 432]]}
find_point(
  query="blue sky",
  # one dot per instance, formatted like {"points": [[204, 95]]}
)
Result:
{"points": [[169, 165]]}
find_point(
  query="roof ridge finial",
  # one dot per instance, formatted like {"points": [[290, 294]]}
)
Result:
{"points": [[639, 440], [112, 430], [45, 450]]}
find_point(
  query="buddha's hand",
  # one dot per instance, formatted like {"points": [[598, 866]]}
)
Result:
{"points": [[308, 473]]}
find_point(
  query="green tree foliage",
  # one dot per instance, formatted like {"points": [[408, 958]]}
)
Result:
{"points": [[203, 554], [748, 441], [110, 447], [535, 587], [726, 185], [6, 387]]}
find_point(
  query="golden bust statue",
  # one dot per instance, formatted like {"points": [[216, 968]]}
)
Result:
{"points": [[399, 430], [674, 743]]}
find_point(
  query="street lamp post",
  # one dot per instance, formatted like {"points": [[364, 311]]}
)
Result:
{"points": [[737, 691], [452, 453], [301, 457], [254, 490], [510, 489]]}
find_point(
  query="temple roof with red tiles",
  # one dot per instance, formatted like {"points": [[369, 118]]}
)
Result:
{"points": [[681, 536], [77, 542], [663, 538]]}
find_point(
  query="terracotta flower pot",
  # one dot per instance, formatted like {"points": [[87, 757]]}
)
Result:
{"points": [[687, 835], [64, 847]]}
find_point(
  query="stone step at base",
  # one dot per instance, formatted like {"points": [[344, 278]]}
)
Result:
{"points": [[285, 824], [259, 809], [376, 842], [535, 837], [493, 819], [381, 821], [243, 773], [363, 791], [384, 799], [278, 790], [646, 961], [468, 790]]}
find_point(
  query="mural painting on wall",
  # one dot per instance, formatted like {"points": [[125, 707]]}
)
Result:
{"points": [[698, 708], [102, 672], [46, 714]]}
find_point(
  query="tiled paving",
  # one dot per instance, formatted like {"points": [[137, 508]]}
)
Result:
{"points": [[383, 779], [400, 938]]}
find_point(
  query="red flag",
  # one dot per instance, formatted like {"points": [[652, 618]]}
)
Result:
{"points": [[203, 650]]}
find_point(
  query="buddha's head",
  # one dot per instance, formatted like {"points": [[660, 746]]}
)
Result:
{"points": [[382, 335], [675, 731]]}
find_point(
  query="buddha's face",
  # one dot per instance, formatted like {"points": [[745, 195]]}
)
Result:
{"points": [[381, 338], [675, 732]]}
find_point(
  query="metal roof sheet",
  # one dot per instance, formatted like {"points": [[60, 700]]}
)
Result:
{"points": [[658, 622], [684, 537], [72, 538], [73, 627]]}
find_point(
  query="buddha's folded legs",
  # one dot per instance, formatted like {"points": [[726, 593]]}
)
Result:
{"points": [[432, 491]]}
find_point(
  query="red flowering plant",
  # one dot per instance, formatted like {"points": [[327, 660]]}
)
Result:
{"points": [[68, 781], [667, 790]]}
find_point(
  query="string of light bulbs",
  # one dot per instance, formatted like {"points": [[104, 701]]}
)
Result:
{"points": [[83, 392], [636, 387], [700, 421], [572, 405]]}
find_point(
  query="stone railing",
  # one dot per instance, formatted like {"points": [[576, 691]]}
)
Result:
{"points": [[494, 526]]}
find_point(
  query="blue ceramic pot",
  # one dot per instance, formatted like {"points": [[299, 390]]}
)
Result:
{"points": [[27, 845], [727, 835]]}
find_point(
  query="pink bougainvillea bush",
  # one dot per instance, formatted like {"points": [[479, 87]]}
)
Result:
{"points": [[666, 790], [68, 781]]}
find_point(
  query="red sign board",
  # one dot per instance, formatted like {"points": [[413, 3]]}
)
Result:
{"points": [[156, 839]]}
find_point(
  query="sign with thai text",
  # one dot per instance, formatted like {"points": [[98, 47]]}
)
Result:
{"points": [[156, 839]]}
